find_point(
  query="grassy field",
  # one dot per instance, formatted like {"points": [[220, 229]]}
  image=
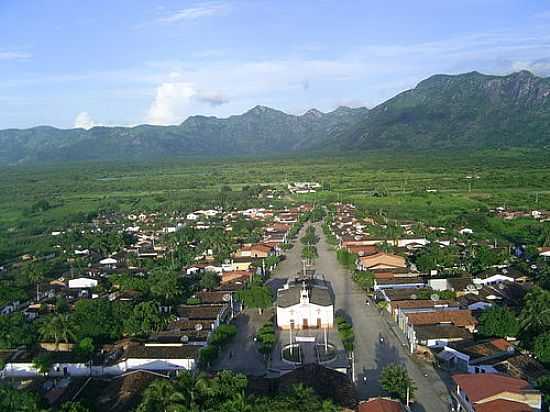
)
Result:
{"points": [[394, 185]]}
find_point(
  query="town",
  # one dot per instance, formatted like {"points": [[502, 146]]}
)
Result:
{"points": [[372, 313]]}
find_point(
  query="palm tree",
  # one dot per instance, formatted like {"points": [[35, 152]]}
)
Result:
{"points": [[59, 328], [35, 274], [535, 314], [162, 396]]}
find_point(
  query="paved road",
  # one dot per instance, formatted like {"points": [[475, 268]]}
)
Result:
{"points": [[370, 355]]}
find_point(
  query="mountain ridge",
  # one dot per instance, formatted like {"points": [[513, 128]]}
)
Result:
{"points": [[464, 111]]}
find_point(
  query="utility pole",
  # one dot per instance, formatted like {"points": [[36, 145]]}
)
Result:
{"points": [[352, 367], [290, 335], [408, 395]]}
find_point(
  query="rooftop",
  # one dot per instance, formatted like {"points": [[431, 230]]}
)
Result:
{"points": [[482, 386]]}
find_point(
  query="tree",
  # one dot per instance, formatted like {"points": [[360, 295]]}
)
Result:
{"points": [[61, 305], [73, 407], [209, 280], [42, 363], [222, 335], [161, 396], [85, 349], [256, 297], [145, 319], [17, 400], [364, 279], [541, 347], [535, 314], [498, 321], [266, 338], [100, 319], [164, 285], [58, 328], [395, 381], [345, 331], [34, 272], [16, 331]]}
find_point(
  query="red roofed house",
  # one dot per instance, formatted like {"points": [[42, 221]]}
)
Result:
{"points": [[381, 405], [381, 260], [487, 392], [416, 320]]}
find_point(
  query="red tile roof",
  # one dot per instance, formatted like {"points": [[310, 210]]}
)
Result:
{"points": [[501, 405], [456, 317], [484, 385], [380, 405]]}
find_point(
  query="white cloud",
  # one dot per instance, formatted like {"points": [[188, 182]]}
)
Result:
{"points": [[84, 121], [196, 12], [11, 55], [171, 103]]}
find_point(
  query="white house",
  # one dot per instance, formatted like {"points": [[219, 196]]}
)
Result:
{"points": [[148, 356], [108, 262], [305, 303], [82, 283]]}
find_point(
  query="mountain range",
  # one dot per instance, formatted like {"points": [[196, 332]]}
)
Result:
{"points": [[465, 111]]}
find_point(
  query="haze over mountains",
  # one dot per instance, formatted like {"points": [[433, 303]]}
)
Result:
{"points": [[469, 111]]}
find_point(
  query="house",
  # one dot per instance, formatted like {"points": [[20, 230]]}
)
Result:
{"points": [[496, 276], [235, 275], [434, 336], [381, 405], [363, 250], [475, 357], [63, 363], [82, 283], [400, 308], [458, 318], [522, 367], [494, 392], [381, 260], [394, 295], [215, 314], [109, 394], [256, 251], [396, 282], [304, 303], [475, 302], [159, 357]]}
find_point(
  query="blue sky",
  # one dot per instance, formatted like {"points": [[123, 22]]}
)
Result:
{"points": [[125, 62]]}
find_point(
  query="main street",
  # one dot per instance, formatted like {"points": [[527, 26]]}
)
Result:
{"points": [[371, 354]]}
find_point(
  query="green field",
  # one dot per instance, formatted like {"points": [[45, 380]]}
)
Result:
{"points": [[391, 184]]}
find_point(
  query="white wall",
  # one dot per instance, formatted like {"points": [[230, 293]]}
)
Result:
{"points": [[308, 311]]}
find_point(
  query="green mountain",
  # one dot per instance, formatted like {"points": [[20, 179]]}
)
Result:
{"points": [[466, 111], [261, 130]]}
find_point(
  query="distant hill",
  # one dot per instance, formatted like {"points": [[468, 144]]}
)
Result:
{"points": [[466, 111], [261, 130], [469, 110]]}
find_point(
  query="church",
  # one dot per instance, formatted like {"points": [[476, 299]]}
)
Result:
{"points": [[305, 303]]}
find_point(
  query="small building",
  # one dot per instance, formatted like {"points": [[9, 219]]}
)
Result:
{"points": [[475, 357], [305, 303], [494, 392], [82, 283], [381, 260], [381, 405]]}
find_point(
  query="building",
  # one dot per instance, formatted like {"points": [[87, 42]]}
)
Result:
{"points": [[416, 323], [381, 405], [494, 392], [475, 357], [381, 261], [304, 303]]}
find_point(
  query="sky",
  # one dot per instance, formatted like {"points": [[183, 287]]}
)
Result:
{"points": [[86, 63]]}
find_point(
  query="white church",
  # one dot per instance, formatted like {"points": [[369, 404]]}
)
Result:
{"points": [[304, 303]]}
